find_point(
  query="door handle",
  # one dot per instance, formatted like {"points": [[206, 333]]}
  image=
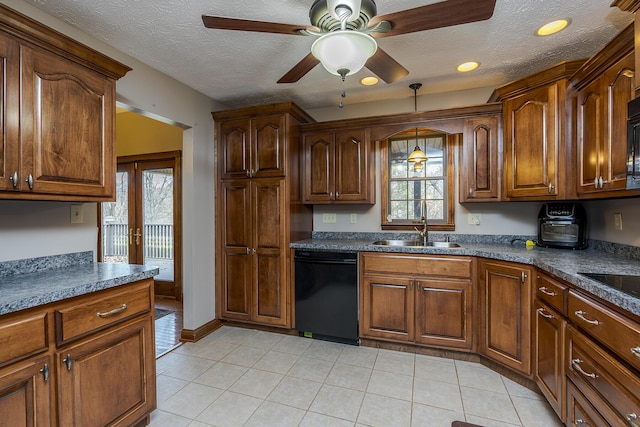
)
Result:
{"points": [[138, 235], [130, 236]]}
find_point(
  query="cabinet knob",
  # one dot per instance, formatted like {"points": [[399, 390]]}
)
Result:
{"points": [[523, 276], [337, 194], [470, 192], [636, 352], [14, 179], [68, 362], [45, 372], [551, 188], [581, 422], [29, 181]]}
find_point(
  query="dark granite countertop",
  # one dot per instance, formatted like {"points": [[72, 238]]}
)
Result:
{"points": [[57, 281], [562, 263]]}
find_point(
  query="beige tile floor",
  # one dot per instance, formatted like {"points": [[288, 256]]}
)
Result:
{"points": [[242, 377]]}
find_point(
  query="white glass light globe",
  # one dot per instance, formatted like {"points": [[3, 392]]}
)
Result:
{"points": [[345, 49]]}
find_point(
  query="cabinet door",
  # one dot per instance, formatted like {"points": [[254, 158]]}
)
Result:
{"points": [[590, 136], [108, 380], [480, 170], [235, 200], [619, 89], [10, 172], [531, 143], [268, 147], [67, 126], [506, 312], [548, 355], [319, 164], [353, 167], [387, 305], [269, 289], [234, 145], [25, 394], [444, 313], [580, 412]]}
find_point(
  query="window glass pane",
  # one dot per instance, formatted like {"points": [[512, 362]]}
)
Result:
{"points": [[399, 210]]}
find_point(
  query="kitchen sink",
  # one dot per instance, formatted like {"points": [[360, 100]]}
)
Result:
{"points": [[409, 243]]}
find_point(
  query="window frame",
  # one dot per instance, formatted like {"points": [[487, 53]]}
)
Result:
{"points": [[451, 141]]}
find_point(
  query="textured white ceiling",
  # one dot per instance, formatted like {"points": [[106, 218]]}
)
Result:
{"points": [[241, 69]]}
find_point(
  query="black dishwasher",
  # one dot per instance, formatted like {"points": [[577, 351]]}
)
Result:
{"points": [[327, 295]]}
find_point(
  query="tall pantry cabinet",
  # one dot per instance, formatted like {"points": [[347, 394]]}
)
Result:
{"points": [[259, 211]]}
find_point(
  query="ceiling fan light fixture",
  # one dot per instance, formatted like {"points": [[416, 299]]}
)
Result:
{"points": [[344, 50], [552, 27], [467, 66]]}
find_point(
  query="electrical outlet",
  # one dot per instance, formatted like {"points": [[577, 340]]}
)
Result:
{"points": [[329, 218], [76, 214], [353, 218], [617, 220], [473, 219]]}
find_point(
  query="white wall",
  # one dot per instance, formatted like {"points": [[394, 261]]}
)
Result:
{"points": [[153, 92], [601, 221]]}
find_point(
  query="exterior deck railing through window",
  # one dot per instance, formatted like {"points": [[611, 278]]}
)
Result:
{"points": [[158, 240]]}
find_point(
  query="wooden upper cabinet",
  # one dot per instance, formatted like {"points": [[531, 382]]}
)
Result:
{"points": [[536, 152], [481, 168], [531, 143], [253, 148], [319, 165], [57, 115], [68, 115], [339, 167], [601, 122]]}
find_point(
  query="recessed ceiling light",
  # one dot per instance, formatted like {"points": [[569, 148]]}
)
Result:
{"points": [[369, 81], [468, 66], [552, 27]]}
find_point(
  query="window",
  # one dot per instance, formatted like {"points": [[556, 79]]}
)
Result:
{"points": [[404, 187]]}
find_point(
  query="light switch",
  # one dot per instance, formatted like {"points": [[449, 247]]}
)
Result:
{"points": [[473, 219]]}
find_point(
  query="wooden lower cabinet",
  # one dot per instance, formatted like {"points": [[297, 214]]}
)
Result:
{"points": [[505, 310], [580, 412], [103, 380], [100, 373], [548, 355], [417, 307], [25, 393]]}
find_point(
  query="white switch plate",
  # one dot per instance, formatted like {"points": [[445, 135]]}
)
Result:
{"points": [[474, 218], [353, 218], [329, 218], [76, 214], [617, 220]]}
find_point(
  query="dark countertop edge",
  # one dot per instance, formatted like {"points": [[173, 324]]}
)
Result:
{"points": [[136, 273], [562, 263]]}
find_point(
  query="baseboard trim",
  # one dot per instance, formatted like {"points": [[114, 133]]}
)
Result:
{"points": [[194, 335]]}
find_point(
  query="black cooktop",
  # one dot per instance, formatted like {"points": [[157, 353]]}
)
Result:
{"points": [[627, 284]]}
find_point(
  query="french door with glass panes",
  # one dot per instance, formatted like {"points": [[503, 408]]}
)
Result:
{"points": [[143, 225]]}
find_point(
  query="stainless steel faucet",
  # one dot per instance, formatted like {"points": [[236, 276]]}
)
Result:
{"points": [[424, 233]]}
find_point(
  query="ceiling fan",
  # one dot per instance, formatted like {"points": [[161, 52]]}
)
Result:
{"points": [[356, 19]]}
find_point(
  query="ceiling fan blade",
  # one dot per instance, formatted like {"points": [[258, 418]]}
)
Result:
{"points": [[438, 15], [385, 67], [300, 69], [221, 23]]}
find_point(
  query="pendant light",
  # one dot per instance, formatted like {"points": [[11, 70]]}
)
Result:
{"points": [[417, 157]]}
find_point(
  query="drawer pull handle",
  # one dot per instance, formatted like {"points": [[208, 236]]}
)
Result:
{"points": [[45, 373], [581, 314], [112, 312], [581, 422], [68, 361], [636, 352], [576, 365], [632, 419], [542, 313], [545, 291]]}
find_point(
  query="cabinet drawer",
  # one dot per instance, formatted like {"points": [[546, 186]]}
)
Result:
{"points": [[102, 310], [422, 265], [602, 379], [552, 292], [23, 336], [580, 412], [620, 334]]}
